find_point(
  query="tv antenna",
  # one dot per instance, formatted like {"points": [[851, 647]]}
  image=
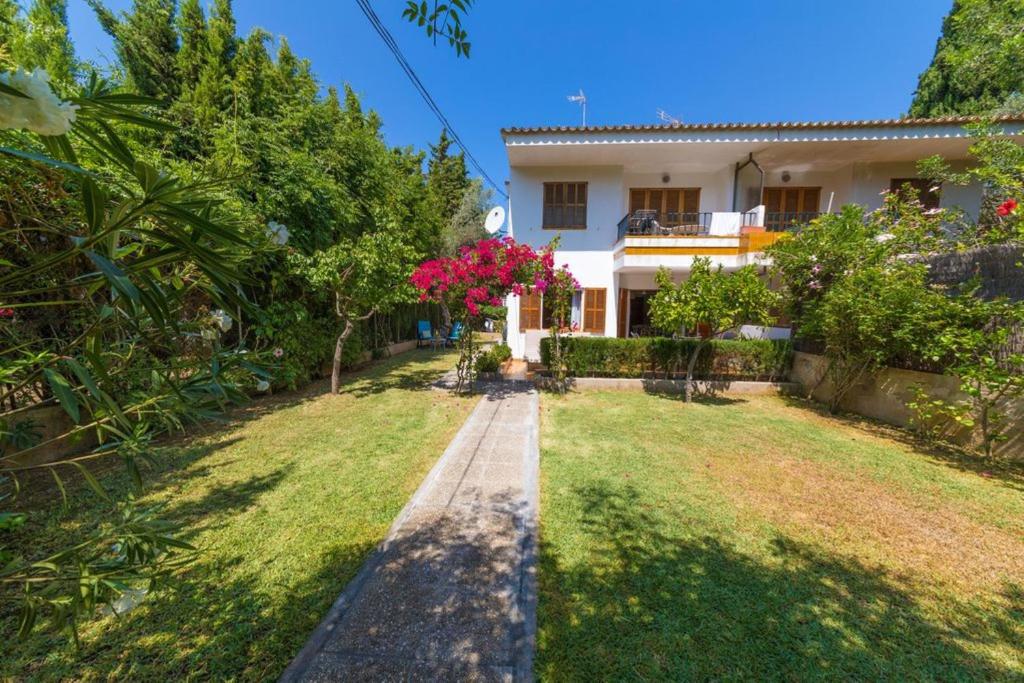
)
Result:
{"points": [[668, 118], [580, 99]]}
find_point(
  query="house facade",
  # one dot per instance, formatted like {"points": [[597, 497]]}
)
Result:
{"points": [[624, 201]]}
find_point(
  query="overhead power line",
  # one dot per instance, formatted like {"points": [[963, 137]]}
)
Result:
{"points": [[392, 45]]}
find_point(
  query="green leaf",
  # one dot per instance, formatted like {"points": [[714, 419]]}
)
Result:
{"points": [[92, 482], [94, 200], [13, 92], [62, 390], [115, 276], [43, 159]]}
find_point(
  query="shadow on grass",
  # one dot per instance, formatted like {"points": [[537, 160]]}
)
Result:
{"points": [[439, 602], [1008, 472], [649, 604]]}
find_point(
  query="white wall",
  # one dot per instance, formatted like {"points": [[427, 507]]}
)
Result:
{"points": [[605, 206]]}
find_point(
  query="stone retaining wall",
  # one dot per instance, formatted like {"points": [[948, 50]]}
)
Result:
{"points": [[884, 397]]}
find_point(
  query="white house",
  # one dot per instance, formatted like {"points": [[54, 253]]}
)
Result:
{"points": [[626, 200]]}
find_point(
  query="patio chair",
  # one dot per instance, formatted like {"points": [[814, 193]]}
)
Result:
{"points": [[453, 336], [424, 334]]}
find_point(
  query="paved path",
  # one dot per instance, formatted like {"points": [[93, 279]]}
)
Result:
{"points": [[451, 592]]}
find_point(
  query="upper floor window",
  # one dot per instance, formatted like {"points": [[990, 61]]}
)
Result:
{"points": [[565, 206], [924, 191]]}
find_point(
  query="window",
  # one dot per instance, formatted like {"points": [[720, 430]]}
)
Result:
{"points": [[785, 206], [529, 312], [593, 310], [924, 191], [565, 206], [671, 203]]}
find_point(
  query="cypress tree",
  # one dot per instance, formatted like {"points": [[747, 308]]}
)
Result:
{"points": [[979, 60]]}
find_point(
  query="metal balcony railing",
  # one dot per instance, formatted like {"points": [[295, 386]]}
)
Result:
{"points": [[783, 221], [668, 223]]}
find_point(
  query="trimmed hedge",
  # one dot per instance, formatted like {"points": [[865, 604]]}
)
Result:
{"points": [[739, 359]]}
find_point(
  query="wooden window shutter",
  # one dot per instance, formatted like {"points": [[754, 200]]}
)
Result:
{"points": [[623, 303], [922, 186], [594, 310], [691, 200], [565, 206], [529, 312], [811, 199]]}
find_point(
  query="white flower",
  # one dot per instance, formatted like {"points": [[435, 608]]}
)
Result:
{"points": [[222, 319], [262, 385], [277, 233], [41, 112]]}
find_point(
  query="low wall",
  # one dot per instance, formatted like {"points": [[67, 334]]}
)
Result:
{"points": [[50, 422], [392, 350], [671, 386], [884, 397]]}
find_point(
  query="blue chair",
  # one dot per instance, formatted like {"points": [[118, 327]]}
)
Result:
{"points": [[424, 335], [453, 336]]}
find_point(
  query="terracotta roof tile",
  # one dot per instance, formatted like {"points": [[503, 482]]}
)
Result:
{"points": [[781, 125]]}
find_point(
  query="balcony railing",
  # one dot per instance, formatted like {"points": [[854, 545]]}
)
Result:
{"points": [[783, 221], [669, 223]]}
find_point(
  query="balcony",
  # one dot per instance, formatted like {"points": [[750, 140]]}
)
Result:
{"points": [[650, 239], [785, 221]]}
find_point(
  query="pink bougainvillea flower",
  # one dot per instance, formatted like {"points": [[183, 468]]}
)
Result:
{"points": [[6, 312], [1007, 207], [278, 352]]}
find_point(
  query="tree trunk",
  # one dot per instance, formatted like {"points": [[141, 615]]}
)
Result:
{"points": [[338, 346], [446, 319], [689, 370]]}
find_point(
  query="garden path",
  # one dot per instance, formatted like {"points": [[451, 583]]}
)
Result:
{"points": [[451, 592]]}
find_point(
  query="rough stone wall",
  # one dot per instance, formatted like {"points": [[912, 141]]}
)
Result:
{"points": [[999, 269]]}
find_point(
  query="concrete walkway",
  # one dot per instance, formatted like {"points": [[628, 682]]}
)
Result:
{"points": [[451, 592]]}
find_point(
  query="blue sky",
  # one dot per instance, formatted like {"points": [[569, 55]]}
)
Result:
{"points": [[718, 60]]}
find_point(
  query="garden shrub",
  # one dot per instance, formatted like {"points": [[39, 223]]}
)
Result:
{"points": [[491, 360], [735, 359]]}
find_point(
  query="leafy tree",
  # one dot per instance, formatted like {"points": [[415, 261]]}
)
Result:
{"points": [[194, 52], [367, 275], [712, 301], [442, 19], [43, 41], [974, 341], [876, 316], [979, 60], [446, 178], [147, 45], [100, 286], [998, 169]]}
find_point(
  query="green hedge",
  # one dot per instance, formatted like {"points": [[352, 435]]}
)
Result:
{"points": [[741, 359]]}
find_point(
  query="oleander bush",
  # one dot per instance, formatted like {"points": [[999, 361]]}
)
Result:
{"points": [[735, 359]]}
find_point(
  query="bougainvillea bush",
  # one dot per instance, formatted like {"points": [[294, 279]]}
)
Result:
{"points": [[485, 274]]}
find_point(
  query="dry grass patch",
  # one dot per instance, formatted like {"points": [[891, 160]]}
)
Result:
{"points": [[758, 539]]}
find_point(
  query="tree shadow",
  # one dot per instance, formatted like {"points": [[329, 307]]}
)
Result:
{"points": [[441, 600], [404, 375], [651, 603], [1008, 472]]}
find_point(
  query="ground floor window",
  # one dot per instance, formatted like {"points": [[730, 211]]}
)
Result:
{"points": [[594, 306], [535, 311]]}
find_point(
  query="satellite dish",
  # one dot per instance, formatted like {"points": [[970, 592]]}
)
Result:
{"points": [[495, 219]]}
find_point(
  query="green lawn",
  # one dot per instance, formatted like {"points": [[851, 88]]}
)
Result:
{"points": [[284, 500], [760, 539]]}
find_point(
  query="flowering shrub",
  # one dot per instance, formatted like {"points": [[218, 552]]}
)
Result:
{"points": [[37, 109], [484, 274]]}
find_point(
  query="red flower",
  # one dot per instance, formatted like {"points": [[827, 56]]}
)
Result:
{"points": [[6, 312], [1007, 207]]}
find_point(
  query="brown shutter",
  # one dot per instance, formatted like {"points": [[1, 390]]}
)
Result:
{"points": [[811, 199], [623, 303], [529, 312], [594, 310], [691, 200], [772, 199]]}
